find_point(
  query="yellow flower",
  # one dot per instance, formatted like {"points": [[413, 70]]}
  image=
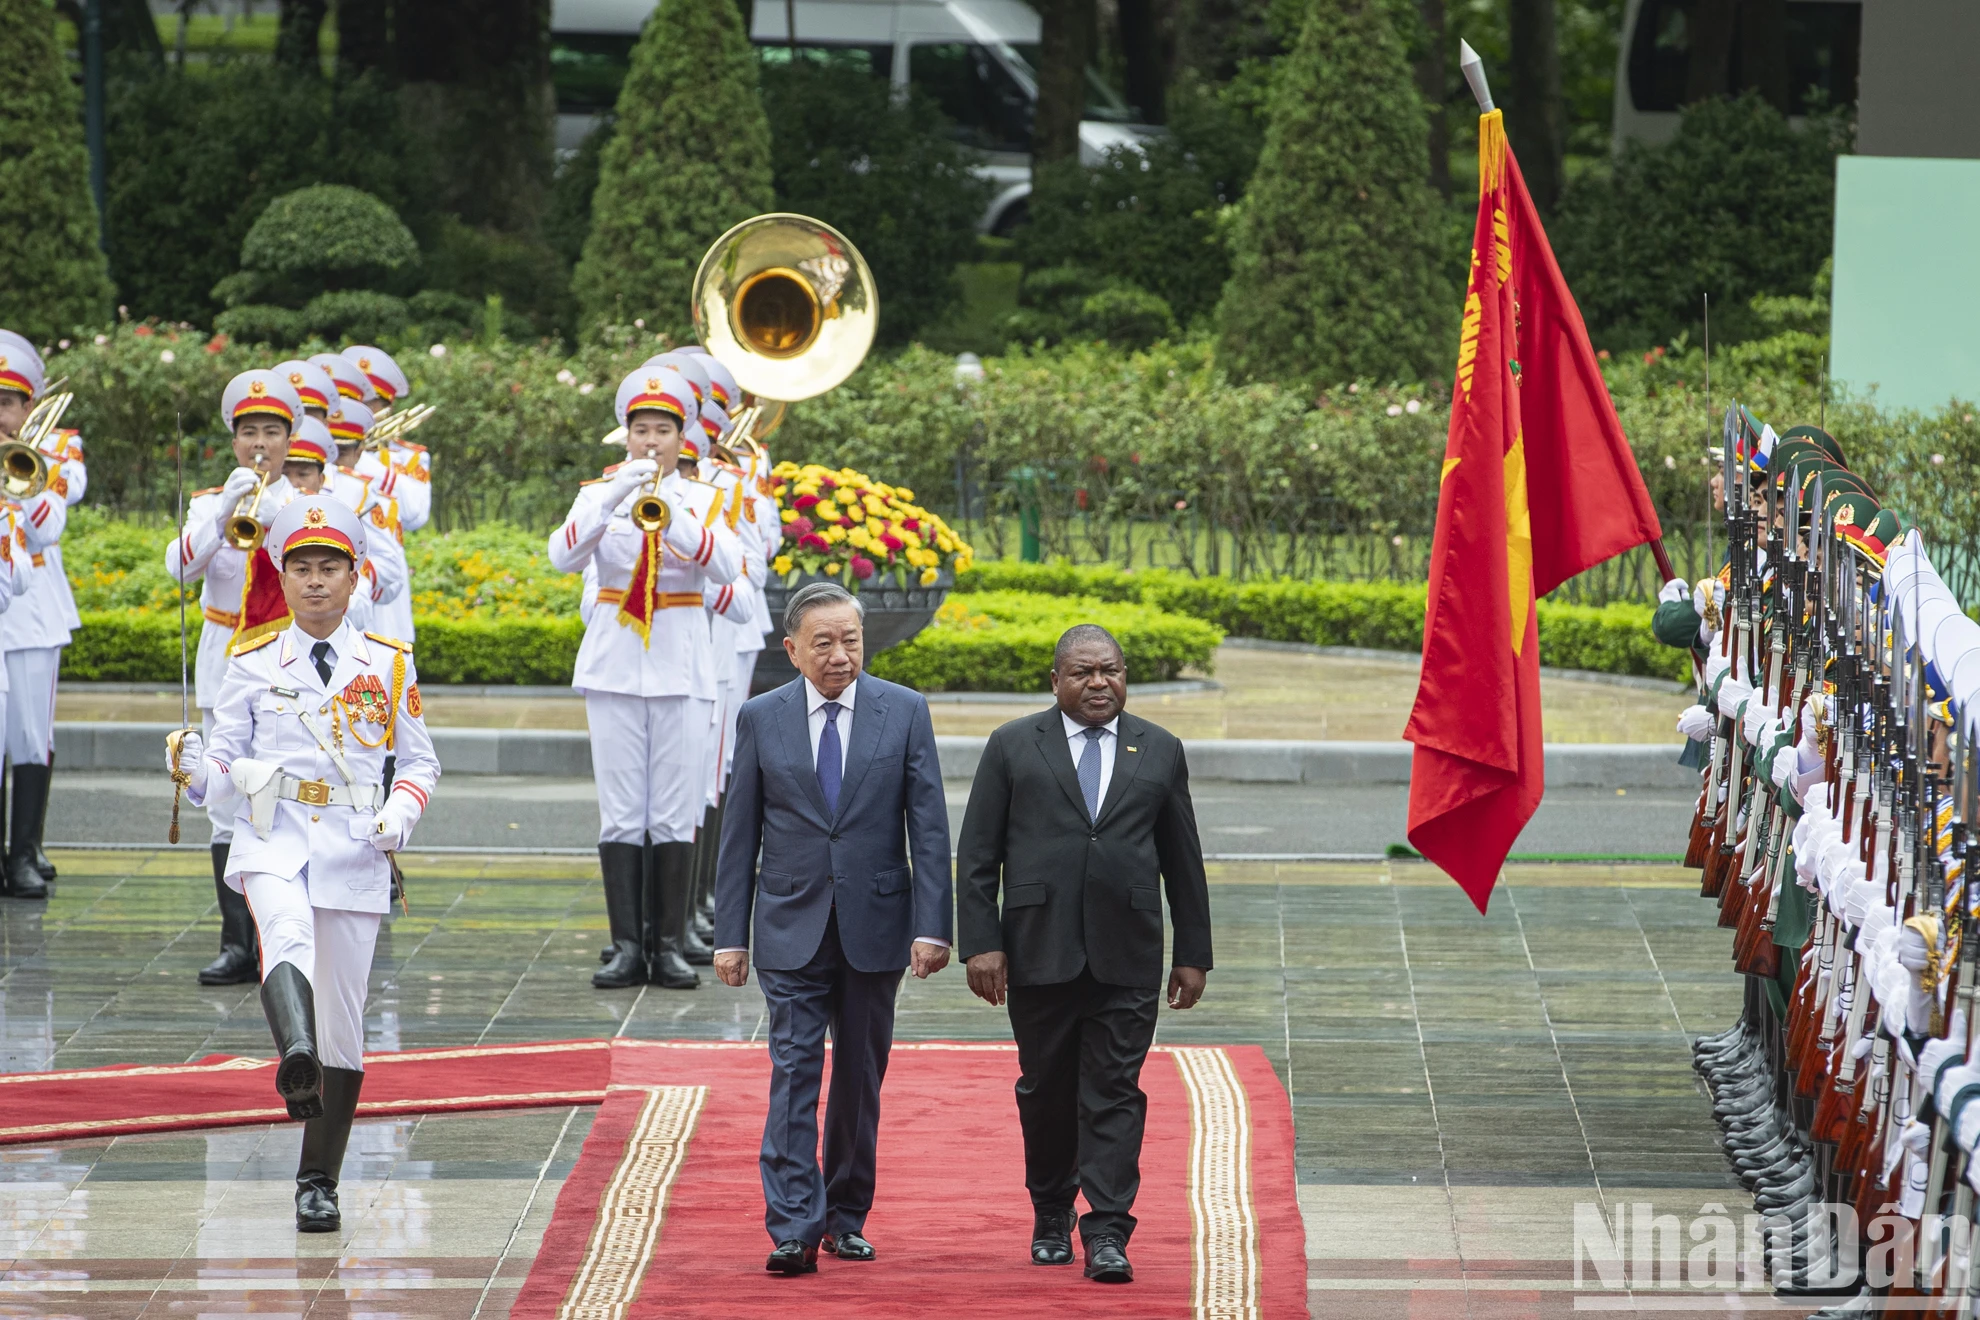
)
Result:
{"points": [[831, 570], [943, 542], [904, 492], [858, 539], [847, 495], [834, 533], [929, 576], [780, 565], [788, 515]]}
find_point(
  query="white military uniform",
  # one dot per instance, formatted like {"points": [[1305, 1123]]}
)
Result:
{"points": [[34, 631], [305, 757], [733, 619], [649, 700], [385, 570]]}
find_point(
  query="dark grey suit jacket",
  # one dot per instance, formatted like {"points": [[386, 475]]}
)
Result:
{"points": [[1079, 892], [891, 809]]}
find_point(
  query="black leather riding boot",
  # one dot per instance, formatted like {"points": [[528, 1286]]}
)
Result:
{"points": [[30, 800], [290, 1007], [703, 913], [324, 1140], [620, 864], [238, 963], [669, 876], [41, 861]]}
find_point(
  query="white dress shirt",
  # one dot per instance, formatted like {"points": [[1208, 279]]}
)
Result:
{"points": [[1110, 738], [814, 705]]}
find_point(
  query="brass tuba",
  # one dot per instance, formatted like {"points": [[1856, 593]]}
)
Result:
{"points": [[25, 460], [788, 305]]}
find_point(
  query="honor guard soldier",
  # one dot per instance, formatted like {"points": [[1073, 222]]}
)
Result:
{"points": [[240, 597], [301, 733], [647, 669], [33, 628], [384, 571], [398, 472]]}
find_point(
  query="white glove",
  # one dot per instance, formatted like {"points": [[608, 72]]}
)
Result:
{"points": [[1672, 590], [1708, 590], [241, 482], [1911, 951], [1731, 693], [1757, 724], [632, 474], [1695, 723], [192, 760], [394, 825]]}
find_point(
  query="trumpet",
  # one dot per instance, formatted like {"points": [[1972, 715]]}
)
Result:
{"points": [[24, 461], [650, 513], [245, 529], [396, 425]]}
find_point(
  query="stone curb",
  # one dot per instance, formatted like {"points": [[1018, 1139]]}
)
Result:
{"points": [[566, 753]]}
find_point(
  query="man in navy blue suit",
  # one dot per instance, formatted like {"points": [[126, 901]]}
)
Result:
{"points": [[837, 783]]}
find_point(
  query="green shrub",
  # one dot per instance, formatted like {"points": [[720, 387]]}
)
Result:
{"points": [[195, 156], [525, 651], [528, 274], [1127, 318], [1337, 260], [886, 173], [1002, 641], [328, 236], [52, 273], [127, 646], [362, 316], [689, 156], [263, 323], [1738, 203]]}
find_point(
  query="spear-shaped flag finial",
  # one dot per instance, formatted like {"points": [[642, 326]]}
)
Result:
{"points": [[1473, 69]]}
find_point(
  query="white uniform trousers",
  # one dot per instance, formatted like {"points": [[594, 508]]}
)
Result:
{"points": [[30, 732], [649, 756], [330, 947], [222, 804]]}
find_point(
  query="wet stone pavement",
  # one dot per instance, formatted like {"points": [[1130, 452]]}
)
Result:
{"points": [[1459, 1083]]}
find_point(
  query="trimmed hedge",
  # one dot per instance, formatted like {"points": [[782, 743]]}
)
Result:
{"points": [[1612, 639], [142, 646], [1002, 641]]}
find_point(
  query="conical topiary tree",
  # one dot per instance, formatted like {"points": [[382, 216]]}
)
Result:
{"points": [[1338, 261], [689, 156], [53, 275]]}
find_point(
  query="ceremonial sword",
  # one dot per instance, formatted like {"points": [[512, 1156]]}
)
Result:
{"points": [[181, 778]]}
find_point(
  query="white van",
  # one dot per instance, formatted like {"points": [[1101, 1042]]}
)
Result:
{"points": [[973, 58]]}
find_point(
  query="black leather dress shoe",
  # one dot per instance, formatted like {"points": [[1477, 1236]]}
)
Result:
{"points": [[1051, 1237], [847, 1246], [793, 1257], [1106, 1260], [316, 1204]]}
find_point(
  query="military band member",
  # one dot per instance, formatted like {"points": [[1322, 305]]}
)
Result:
{"points": [[647, 670], [33, 629], [241, 600], [385, 387], [301, 731]]}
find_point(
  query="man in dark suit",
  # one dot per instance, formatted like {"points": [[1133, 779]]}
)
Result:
{"points": [[836, 781], [1081, 813]]}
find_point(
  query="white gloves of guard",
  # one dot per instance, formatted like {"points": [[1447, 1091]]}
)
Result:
{"points": [[1675, 589], [632, 474], [394, 825], [191, 759], [1911, 951], [1709, 591], [1695, 723], [1732, 693]]}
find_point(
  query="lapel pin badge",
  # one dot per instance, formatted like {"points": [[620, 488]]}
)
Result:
{"points": [[1134, 749]]}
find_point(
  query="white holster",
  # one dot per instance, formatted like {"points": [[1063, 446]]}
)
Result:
{"points": [[257, 781]]}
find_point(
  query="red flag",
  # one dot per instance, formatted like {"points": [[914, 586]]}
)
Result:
{"points": [[1538, 484]]}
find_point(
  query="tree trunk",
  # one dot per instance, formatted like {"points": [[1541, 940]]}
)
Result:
{"points": [[128, 28], [1433, 82], [1535, 123], [1708, 73], [476, 77], [1063, 54], [297, 36], [1147, 60], [364, 37]]}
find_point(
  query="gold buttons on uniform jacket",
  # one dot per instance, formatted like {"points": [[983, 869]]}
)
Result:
{"points": [[316, 817]]}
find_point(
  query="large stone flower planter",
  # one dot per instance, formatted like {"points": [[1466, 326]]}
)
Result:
{"points": [[892, 616]]}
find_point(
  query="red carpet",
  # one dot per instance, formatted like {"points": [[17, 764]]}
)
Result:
{"points": [[663, 1215], [223, 1091]]}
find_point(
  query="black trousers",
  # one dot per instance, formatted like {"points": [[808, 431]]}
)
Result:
{"points": [[1080, 1046]]}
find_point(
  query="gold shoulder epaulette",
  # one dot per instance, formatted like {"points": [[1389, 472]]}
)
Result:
{"points": [[392, 642], [256, 644]]}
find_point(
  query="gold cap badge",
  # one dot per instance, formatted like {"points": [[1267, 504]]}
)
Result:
{"points": [[314, 518]]}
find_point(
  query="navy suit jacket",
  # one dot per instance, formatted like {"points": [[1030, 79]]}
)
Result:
{"points": [[882, 859]]}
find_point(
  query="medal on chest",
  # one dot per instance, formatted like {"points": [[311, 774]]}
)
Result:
{"points": [[365, 700]]}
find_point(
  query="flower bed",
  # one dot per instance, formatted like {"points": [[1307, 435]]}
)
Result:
{"points": [[843, 524]]}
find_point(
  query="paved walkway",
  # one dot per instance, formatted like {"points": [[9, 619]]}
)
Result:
{"points": [[1459, 1083], [1261, 694]]}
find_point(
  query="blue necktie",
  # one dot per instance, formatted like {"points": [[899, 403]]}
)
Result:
{"points": [[1089, 773], [831, 762]]}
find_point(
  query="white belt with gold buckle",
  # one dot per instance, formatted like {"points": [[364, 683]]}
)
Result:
{"points": [[317, 793]]}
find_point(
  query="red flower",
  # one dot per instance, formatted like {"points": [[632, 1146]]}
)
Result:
{"points": [[1135, 458], [912, 524], [803, 502], [216, 344], [848, 521], [813, 542], [826, 483], [862, 567], [146, 331], [893, 543], [1079, 498], [797, 527]]}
